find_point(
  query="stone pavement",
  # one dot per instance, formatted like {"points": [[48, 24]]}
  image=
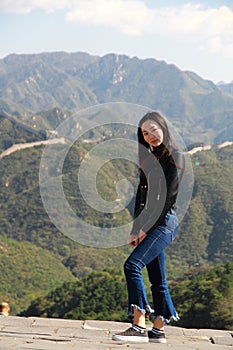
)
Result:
{"points": [[49, 334]]}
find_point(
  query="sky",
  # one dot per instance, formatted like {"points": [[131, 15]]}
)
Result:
{"points": [[194, 35]]}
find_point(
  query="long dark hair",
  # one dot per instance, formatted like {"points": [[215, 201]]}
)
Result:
{"points": [[165, 149]]}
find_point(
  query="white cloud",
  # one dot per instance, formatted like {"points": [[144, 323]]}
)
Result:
{"points": [[209, 28], [220, 44], [215, 44], [127, 16], [26, 6]]}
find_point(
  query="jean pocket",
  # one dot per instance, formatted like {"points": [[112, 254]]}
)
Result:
{"points": [[171, 222]]}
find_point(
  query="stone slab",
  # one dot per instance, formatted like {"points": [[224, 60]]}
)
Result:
{"points": [[36, 333], [223, 340]]}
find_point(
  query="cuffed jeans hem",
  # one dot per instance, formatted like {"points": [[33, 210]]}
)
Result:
{"points": [[147, 311], [165, 320]]}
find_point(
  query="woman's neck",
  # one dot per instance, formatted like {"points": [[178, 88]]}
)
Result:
{"points": [[158, 151]]}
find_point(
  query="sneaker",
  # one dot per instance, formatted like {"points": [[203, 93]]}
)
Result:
{"points": [[157, 337], [132, 335]]}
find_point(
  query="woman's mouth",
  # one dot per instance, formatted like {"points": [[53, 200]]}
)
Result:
{"points": [[154, 141]]}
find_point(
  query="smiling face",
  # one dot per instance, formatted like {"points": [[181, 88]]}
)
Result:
{"points": [[152, 133]]}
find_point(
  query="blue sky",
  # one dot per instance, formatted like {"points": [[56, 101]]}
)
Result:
{"points": [[193, 35]]}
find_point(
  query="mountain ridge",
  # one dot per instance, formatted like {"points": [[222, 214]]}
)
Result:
{"points": [[72, 81]]}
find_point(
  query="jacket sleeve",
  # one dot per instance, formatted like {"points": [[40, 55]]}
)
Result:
{"points": [[173, 179], [140, 194], [140, 201]]}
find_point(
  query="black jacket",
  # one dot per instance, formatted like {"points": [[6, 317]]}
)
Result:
{"points": [[157, 190]]}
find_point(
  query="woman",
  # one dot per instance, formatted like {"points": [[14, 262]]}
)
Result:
{"points": [[155, 226]]}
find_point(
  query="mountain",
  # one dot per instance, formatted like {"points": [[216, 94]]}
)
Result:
{"points": [[33, 85], [226, 87], [37, 82]]}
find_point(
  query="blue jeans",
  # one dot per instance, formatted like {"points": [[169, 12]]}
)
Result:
{"points": [[150, 253]]}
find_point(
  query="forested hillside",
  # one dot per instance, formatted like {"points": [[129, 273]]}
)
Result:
{"points": [[27, 272], [202, 298], [206, 233], [205, 236]]}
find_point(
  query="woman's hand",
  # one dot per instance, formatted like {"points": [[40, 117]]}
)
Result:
{"points": [[134, 240], [142, 235]]}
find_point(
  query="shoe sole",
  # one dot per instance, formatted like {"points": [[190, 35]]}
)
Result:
{"points": [[131, 339], [161, 341]]}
